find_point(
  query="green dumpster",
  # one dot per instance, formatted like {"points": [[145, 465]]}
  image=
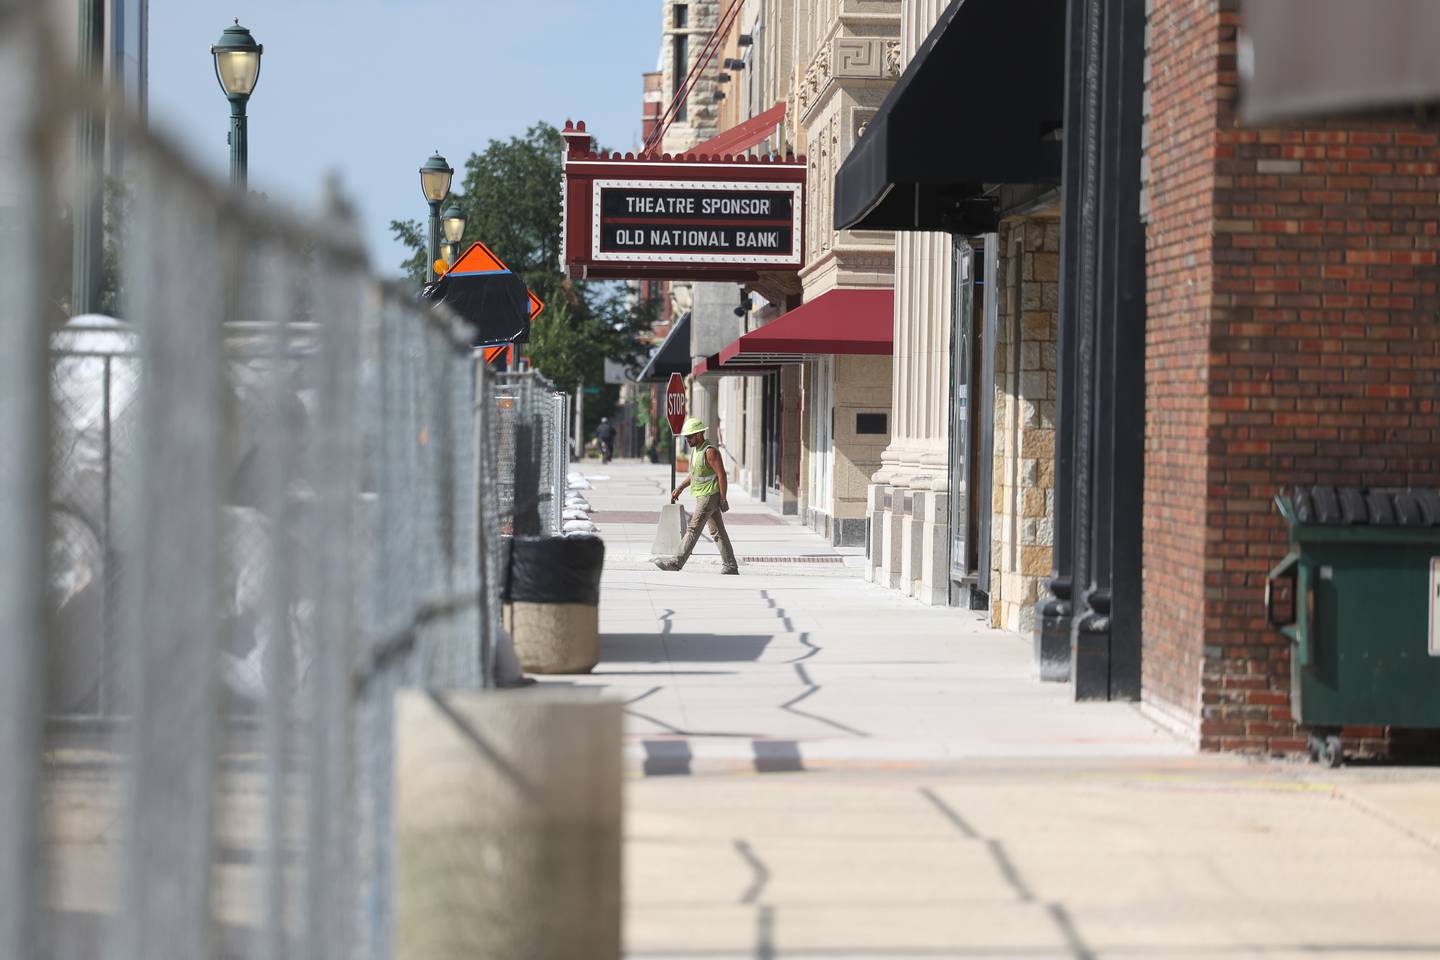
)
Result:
{"points": [[1362, 583]]}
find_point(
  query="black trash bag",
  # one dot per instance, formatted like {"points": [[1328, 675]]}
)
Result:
{"points": [[1353, 509], [1408, 512], [1304, 506], [495, 303], [1381, 505], [554, 570], [1327, 505], [1429, 501]]}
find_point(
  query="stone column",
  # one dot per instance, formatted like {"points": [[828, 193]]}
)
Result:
{"points": [[918, 456], [912, 539], [791, 430]]}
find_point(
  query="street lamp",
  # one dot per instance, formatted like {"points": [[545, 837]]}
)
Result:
{"points": [[435, 177], [237, 67], [453, 223]]}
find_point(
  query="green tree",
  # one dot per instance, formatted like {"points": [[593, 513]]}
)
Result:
{"points": [[119, 198], [511, 199]]}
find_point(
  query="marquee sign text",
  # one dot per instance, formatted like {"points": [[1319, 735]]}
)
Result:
{"points": [[697, 222]]}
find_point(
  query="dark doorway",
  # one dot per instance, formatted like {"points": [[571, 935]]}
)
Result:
{"points": [[973, 314]]}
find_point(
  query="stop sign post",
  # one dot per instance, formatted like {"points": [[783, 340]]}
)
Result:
{"points": [[675, 413]]}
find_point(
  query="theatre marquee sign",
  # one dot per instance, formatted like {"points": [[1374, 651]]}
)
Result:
{"points": [[690, 217], [696, 222]]}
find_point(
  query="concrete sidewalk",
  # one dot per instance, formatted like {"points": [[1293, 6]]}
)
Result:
{"points": [[821, 768]]}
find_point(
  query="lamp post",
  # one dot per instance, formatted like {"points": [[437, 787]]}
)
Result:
{"points": [[453, 223], [435, 177], [237, 67]]}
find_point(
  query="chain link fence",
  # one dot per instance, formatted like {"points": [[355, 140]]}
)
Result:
{"points": [[532, 431], [235, 522]]}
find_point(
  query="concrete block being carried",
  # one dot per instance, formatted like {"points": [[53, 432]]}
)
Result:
{"points": [[507, 824], [671, 531]]}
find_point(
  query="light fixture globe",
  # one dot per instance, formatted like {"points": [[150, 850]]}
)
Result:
{"points": [[453, 222], [237, 61], [435, 177]]}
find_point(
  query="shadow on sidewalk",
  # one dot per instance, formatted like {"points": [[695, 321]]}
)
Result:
{"points": [[681, 647]]}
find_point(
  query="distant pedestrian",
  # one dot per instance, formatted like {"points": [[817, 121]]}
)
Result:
{"points": [[707, 481], [605, 436]]}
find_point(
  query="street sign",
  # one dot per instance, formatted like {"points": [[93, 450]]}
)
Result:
{"points": [[675, 403], [616, 372]]}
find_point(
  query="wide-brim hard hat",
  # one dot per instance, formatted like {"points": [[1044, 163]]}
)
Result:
{"points": [[692, 427]]}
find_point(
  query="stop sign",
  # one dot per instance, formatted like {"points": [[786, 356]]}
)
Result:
{"points": [[675, 403]]}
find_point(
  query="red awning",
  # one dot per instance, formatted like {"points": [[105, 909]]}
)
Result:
{"points": [[711, 366], [840, 321], [742, 137]]}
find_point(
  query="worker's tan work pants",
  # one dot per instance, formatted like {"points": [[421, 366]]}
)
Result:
{"points": [[707, 510]]}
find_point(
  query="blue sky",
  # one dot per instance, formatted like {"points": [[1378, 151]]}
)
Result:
{"points": [[368, 89]]}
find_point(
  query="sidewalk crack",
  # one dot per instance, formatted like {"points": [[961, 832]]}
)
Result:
{"points": [[1059, 916]]}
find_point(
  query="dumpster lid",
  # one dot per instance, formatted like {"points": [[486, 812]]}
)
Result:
{"points": [[1349, 506]]}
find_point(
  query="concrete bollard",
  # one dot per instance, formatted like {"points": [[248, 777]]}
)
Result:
{"points": [[554, 637], [671, 532], [552, 602], [507, 826]]}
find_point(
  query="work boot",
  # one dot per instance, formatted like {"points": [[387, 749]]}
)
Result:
{"points": [[730, 571], [668, 563]]}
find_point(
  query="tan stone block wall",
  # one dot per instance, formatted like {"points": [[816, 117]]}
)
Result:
{"points": [[1023, 501], [862, 385]]}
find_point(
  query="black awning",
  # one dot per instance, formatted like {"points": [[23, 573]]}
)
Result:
{"points": [[982, 102], [495, 302], [673, 355]]}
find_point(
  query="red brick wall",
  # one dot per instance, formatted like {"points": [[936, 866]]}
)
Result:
{"points": [[1322, 366], [1180, 187]]}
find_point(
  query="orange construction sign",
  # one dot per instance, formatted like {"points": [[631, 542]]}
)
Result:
{"points": [[480, 259]]}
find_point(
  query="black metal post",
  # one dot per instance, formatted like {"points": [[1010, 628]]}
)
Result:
{"points": [[239, 144], [1074, 414], [432, 246], [1106, 637], [88, 209]]}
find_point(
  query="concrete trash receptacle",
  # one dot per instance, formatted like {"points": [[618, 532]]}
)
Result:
{"points": [[507, 824], [552, 602]]}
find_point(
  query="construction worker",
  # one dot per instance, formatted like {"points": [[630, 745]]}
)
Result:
{"points": [[707, 481]]}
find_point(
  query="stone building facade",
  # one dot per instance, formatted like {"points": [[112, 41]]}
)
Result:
{"points": [[685, 26], [848, 49], [1023, 498], [795, 433], [923, 488]]}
